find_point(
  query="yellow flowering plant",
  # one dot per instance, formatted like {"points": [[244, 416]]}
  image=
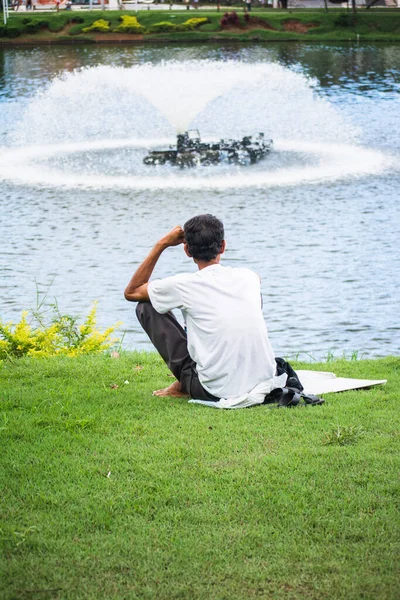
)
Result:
{"points": [[101, 26], [129, 24], [188, 25], [197, 21], [163, 26], [61, 336]]}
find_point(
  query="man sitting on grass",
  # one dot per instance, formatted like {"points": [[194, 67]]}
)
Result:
{"points": [[225, 356]]}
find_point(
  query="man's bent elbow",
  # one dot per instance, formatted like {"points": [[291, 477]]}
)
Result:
{"points": [[140, 294], [129, 296], [132, 296]]}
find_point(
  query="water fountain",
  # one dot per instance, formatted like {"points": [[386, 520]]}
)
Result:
{"points": [[91, 127]]}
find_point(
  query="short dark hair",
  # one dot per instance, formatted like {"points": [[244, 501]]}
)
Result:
{"points": [[204, 235]]}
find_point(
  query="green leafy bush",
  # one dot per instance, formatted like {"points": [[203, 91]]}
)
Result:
{"points": [[77, 24], [345, 20], [129, 25], [101, 26], [75, 29], [11, 32], [43, 22], [58, 22], [34, 26], [58, 335]]}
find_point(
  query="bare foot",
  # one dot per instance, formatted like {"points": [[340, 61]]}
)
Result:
{"points": [[174, 390]]}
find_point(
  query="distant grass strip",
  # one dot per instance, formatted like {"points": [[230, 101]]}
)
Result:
{"points": [[108, 492], [259, 25]]}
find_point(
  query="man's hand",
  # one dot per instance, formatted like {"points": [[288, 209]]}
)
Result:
{"points": [[173, 237], [136, 290]]}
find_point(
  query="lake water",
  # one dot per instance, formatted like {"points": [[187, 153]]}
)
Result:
{"points": [[318, 219]]}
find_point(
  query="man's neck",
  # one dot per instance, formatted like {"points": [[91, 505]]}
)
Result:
{"points": [[202, 264]]}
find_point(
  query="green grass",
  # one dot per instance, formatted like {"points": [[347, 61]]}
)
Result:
{"points": [[108, 492], [373, 25]]}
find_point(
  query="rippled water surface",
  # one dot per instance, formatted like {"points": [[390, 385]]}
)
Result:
{"points": [[318, 219]]}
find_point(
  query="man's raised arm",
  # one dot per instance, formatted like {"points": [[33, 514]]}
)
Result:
{"points": [[136, 290]]}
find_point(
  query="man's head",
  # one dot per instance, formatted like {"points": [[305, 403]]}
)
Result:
{"points": [[204, 237]]}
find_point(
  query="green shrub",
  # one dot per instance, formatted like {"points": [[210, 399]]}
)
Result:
{"points": [[101, 25], [77, 23], [60, 334], [75, 29], [12, 32], [58, 23], [31, 27], [129, 25], [345, 20], [34, 26]]}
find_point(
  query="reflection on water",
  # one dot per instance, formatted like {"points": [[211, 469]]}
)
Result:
{"points": [[326, 252], [361, 69]]}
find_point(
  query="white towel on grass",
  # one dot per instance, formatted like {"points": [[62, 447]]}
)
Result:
{"points": [[252, 398], [314, 382]]}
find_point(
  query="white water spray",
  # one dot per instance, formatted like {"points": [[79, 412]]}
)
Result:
{"points": [[110, 116]]}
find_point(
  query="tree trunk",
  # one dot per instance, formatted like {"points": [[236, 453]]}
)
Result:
{"points": [[353, 6]]}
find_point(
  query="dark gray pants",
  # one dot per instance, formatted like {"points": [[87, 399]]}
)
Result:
{"points": [[170, 340]]}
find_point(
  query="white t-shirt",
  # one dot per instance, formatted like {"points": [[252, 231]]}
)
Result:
{"points": [[227, 334]]}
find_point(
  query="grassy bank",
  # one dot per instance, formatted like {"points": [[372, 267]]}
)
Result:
{"points": [[108, 492], [267, 25]]}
